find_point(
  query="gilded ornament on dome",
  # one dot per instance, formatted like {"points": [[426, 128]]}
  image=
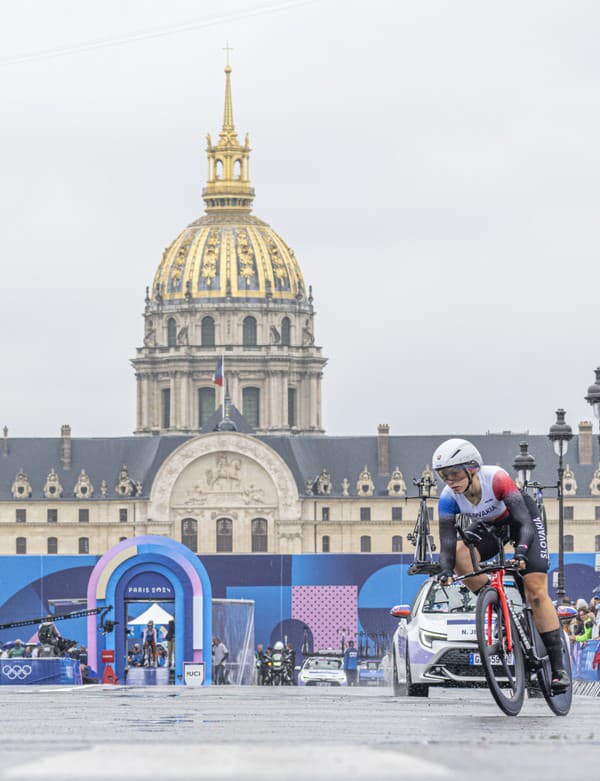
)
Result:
{"points": [[210, 258], [179, 265], [245, 255], [279, 269]]}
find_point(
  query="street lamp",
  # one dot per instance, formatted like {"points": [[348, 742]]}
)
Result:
{"points": [[524, 464], [560, 434], [593, 397]]}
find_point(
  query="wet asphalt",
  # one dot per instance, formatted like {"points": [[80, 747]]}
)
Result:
{"points": [[244, 733]]}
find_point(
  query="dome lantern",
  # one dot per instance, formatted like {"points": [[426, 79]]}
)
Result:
{"points": [[228, 187]]}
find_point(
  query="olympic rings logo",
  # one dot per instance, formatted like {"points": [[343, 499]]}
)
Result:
{"points": [[17, 672]]}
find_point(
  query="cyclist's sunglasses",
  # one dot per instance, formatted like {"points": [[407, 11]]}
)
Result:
{"points": [[451, 473]]}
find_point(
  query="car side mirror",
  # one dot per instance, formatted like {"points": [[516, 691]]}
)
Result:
{"points": [[401, 611]]}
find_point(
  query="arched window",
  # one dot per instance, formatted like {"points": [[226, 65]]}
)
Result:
{"points": [[224, 535], [249, 332], [207, 332], [237, 169], [171, 332], [251, 406], [260, 538], [325, 543], [189, 534], [286, 331], [52, 545], [597, 543], [21, 545], [365, 544], [219, 170], [568, 543], [84, 545], [206, 404], [396, 544]]}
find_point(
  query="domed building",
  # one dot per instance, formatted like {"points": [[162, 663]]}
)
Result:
{"points": [[229, 287]]}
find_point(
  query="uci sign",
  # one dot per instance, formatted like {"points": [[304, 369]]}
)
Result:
{"points": [[193, 673]]}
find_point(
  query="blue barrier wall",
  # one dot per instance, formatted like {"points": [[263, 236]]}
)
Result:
{"points": [[309, 598]]}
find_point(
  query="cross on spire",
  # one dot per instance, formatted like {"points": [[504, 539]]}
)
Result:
{"points": [[227, 48]]}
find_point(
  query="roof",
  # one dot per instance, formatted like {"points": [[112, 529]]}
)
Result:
{"points": [[344, 457]]}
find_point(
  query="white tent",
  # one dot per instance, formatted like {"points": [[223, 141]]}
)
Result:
{"points": [[154, 613]]}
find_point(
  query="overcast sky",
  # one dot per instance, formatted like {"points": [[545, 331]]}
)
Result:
{"points": [[435, 165]]}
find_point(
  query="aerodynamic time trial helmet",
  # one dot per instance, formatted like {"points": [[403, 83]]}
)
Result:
{"points": [[457, 452]]}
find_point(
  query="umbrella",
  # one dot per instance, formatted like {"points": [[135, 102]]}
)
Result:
{"points": [[154, 613]]}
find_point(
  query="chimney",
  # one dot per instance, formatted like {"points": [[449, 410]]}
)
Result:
{"points": [[5, 441], [65, 435], [383, 448], [585, 442]]}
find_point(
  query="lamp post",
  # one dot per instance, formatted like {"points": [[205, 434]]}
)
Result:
{"points": [[524, 464], [560, 435], [593, 398]]}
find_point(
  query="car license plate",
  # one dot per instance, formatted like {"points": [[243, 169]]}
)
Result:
{"points": [[475, 659], [322, 683]]}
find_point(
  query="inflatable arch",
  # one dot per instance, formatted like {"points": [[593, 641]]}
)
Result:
{"points": [[171, 562]]}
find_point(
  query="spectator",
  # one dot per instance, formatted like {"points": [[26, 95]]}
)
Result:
{"points": [[259, 659], [17, 651], [170, 638], [149, 643], [582, 626], [47, 632], [351, 663], [220, 654], [29, 651], [291, 656], [161, 655], [88, 674], [136, 657]]}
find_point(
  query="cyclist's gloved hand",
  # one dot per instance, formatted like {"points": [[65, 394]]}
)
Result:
{"points": [[472, 535], [445, 577], [520, 557]]}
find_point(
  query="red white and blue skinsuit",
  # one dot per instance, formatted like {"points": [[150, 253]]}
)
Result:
{"points": [[501, 504]]}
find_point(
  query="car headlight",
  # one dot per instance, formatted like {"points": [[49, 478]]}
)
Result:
{"points": [[426, 638]]}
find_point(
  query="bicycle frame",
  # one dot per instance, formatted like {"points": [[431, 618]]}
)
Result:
{"points": [[496, 572]]}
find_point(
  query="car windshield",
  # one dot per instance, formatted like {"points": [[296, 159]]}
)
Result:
{"points": [[323, 664], [458, 599]]}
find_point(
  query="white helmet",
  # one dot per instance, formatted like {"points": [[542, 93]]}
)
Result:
{"points": [[278, 646], [456, 452]]}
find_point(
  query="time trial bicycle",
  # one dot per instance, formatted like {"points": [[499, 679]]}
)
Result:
{"points": [[511, 650], [421, 536]]}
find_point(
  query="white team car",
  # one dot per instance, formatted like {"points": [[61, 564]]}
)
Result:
{"points": [[435, 643], [322, 671]]}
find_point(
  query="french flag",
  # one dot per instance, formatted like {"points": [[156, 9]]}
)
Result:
{"points": [[217, 377]]}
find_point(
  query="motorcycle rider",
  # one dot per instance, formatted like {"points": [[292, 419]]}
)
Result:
{"points": [[488, 492]]}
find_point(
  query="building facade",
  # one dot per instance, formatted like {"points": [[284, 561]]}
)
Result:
{"points": [[253, 472]]}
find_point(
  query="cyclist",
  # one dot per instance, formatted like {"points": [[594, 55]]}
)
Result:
{"points": [[489, 493]]}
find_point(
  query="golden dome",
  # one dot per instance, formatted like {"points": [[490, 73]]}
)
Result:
{"points": [[228, 253]]}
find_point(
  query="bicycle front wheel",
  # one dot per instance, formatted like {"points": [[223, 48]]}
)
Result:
{"points": [[504, 670]]}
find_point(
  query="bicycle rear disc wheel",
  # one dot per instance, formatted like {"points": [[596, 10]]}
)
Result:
{"points": [[504, 671], [559, 703]]}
